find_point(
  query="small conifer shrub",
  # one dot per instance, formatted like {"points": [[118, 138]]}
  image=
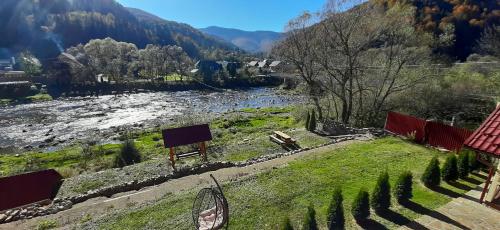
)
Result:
{"points": [[381, 195], [335, 216], [312, 121], [463, 165], [432, 174], [473, 163], [403, 187], [449, 172], [360, 208], [308, 119]]}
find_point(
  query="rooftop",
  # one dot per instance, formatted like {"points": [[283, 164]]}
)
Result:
{"points": [[487, 137]]}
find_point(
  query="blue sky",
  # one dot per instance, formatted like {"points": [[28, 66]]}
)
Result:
{"points": [[240, 14]]}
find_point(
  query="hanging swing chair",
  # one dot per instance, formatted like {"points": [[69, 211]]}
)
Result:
{"points": [[210, 208]]}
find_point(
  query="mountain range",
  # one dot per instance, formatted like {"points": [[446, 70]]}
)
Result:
{"points": [[250, 41], [47, 27]]}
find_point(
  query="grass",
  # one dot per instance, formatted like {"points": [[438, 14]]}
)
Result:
{"points": [[261, 202], [177, 77], [238, 136], [28, 99], [39, 97], [46, 224]]}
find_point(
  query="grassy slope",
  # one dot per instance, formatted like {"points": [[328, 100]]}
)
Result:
{"points": [[262, 202], [237, 137]]}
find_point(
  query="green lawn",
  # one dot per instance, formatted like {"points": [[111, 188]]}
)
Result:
{"points": [[262, 202]]}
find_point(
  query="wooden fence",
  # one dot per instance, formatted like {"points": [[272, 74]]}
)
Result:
{"points": [[433, 133]]}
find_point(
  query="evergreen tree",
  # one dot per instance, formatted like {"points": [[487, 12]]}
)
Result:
{"points": [[360, 209], [310, 219], [308, 119], [312, 121], [381, 195], [335, 216], [432, 174], [473, 163], [403, 188], [287, 225], [463, 165], [449, 172]]}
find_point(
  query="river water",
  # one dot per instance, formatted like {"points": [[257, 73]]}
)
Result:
{"points": [[48, 125]]}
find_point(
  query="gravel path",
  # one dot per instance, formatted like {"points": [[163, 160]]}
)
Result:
{"points": [[100, 206]]}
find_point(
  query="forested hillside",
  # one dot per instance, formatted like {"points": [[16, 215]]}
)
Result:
{"points": [[465, 20], [45, 27], [251, 41]]}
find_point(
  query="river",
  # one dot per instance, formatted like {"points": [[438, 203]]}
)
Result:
{"points": [[52, 124]]}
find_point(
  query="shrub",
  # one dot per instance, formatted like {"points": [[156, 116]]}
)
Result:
{"points": [[432, 174], [463, 165], [308, 119], [128, 154], [381, 195], [473, 163], [310, 219], [312, 121], [335, 216], [360, 209], [449, 172], [287, 225], [403, 188], [46, 224]]}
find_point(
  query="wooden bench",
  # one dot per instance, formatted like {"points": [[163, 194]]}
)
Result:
{"points": [[185, 136], [284, 140]]}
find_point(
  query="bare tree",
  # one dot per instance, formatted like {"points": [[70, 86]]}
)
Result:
{"points": [[344, 36], [299, 49]]}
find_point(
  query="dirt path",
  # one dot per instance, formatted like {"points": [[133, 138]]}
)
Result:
{"points": [[100, 206]]}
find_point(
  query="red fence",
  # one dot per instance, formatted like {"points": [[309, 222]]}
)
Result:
{"points": [[405, 125], [445, 136], [433, 133], [28, 188]]}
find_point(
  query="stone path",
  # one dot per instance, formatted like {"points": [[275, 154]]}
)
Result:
{"points": [[102, 205], [461, 213]]}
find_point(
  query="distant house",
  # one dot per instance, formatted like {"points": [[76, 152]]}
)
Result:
{"points": [[102, 79], [274, 66], [253, 64], [7, 64], [263, 64]]}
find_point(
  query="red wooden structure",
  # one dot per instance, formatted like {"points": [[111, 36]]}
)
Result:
{"points": [[184, 136], [434, 133], [24, 189], [486, 141], [445, 136], [405, 125]]}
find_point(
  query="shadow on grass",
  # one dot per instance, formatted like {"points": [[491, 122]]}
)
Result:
{"points": [[459, 185], [434, 214], [472, 181], [446, 192], [371, 224], [394, 217], [479, 175]]}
